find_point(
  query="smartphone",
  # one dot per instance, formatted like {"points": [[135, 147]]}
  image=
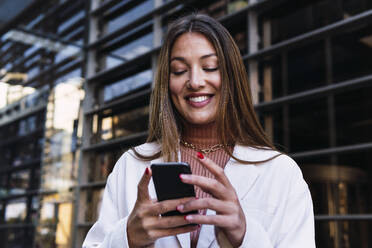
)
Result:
{"points": [[168, 184]]}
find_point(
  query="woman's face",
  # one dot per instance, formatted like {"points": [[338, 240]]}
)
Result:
{"points": [[195, 80]]}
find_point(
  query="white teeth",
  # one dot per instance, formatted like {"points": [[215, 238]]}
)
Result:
{"points": [[199, 98]]}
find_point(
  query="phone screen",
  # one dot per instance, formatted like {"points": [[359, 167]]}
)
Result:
{"points": [[168, 184]]}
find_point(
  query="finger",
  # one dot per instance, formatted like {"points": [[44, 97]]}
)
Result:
{"points": [[159, 233], [219, 206], [168, 205], [216, 170], [209, 185], [224, 221], [143, 185], [166, 222]]}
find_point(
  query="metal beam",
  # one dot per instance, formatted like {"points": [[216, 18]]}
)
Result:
{"points": [[318, 34], [316, 93]]}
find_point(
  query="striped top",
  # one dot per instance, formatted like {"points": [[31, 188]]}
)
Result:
{"points": [[202, 136]]}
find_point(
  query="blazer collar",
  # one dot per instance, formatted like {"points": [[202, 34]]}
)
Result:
{"points": [[242, 177]]}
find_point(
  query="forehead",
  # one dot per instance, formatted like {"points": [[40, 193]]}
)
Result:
{"points": [[192, 43]]}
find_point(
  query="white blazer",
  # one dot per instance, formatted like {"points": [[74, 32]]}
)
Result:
{"points": [[274, 197]]}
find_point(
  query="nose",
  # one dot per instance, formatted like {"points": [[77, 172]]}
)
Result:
{"points": [[196, 80]]}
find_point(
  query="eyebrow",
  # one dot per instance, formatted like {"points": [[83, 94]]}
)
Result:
{"points": [[202, 57]]}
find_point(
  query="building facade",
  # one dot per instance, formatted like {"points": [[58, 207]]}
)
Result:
{"points": [[310, 68]]}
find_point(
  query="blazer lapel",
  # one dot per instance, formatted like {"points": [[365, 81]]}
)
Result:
{"points": [[242, 177]]}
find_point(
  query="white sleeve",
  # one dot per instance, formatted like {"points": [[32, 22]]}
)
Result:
{"points": [[297, 221], [109, 230]]}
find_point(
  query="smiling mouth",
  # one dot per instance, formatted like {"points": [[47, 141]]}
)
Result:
{"points": [[199, 98]]}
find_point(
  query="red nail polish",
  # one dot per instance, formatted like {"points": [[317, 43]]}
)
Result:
{"points": [[185, 217], [200, 155], [147, 171]]}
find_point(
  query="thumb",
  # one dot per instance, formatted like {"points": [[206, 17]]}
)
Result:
{"points": [[143, 185]]}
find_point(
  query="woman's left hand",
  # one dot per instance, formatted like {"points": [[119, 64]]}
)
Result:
{"points": [[229, 214]]}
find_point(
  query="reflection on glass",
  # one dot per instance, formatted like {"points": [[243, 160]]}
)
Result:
{"points": [[93, 200], [127, 85], [3, 185], [131, 122], [130, 15], [340, 190], [54, 227], [102, 164], [19, 182], [59, 160], [70, 21], [59, 48], [218, 8], [19, 238], [236, 5], [16, 211]]}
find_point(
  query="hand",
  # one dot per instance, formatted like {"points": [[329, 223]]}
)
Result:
{"points": [[145, 225], [229, 214]]}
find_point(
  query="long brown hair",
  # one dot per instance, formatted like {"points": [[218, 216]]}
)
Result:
{"points": [[236, 122]]}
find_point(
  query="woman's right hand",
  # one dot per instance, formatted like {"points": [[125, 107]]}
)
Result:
{"points": [[145, 225]]}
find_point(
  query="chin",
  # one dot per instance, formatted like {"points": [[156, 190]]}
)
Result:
{"points": [[200, 121]]}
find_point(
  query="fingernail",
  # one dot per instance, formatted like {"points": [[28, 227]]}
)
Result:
{"points": [[188, 217], [196, 198], [147, 171], [199, 226], [180, 208], [200, 155], [184, 176]]}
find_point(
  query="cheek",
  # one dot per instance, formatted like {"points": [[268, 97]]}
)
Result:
{"points": [[175, 88]]}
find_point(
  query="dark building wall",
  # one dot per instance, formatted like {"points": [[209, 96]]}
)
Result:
{"points": [[309, 65]]}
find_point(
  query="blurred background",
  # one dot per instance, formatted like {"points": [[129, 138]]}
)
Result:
{"points": [[75, 80]]}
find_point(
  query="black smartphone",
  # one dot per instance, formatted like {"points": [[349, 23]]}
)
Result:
{"points": [[168, 184]]}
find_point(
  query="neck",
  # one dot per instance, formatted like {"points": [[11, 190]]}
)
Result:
{"points": [[203, 135]]}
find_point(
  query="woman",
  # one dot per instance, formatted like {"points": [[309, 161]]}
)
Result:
{"points": [[248, 194]]}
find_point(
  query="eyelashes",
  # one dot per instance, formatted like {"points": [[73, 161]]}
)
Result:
{"points": [[179, 73]]}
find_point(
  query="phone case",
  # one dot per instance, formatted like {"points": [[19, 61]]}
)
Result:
{"points": [[168, 184]]}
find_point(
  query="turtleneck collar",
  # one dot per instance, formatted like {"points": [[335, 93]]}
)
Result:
{"points": [[203, 136]]}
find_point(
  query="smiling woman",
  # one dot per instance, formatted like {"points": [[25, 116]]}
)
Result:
{"points": [[195, 81], [247, 193]]}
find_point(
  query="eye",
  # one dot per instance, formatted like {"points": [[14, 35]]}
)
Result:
{"points": [[210, 69], [178, 73]]}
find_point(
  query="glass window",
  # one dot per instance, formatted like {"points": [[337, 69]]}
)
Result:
{"points": [[339, 188], [352, 54], [292, 20], [70, 21], [127, 85], [16, 211], [308, 125], [102, 164], [19, 237], [306, 68], [93, 203], [3, 186], [353, 121], [130, 51], [123, 124], [19, 182], [130, 15]]}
